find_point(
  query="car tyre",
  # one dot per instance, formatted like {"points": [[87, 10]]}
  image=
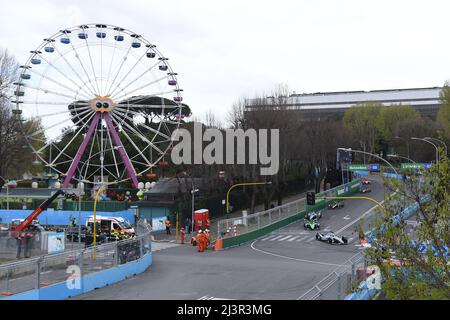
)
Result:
{"points": [[317, 236], [330, 241]]}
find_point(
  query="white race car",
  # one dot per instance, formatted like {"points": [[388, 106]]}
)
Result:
{"points": [[331, 238]]}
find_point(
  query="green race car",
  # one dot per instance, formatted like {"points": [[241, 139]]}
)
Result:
{"points": [[311, 224]]}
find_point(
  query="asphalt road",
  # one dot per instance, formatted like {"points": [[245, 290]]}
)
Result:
{"points": [[282, 265]]}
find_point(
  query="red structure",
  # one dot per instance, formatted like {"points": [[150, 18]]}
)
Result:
{"points": [[201, 218]]}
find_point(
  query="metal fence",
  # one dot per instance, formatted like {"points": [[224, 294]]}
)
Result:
{"points": [[34, 273], [341, 282], [225, 227]]}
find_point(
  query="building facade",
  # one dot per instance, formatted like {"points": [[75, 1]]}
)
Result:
{"points": [[333, 104]]}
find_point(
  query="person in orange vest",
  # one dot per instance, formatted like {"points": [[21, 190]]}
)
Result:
{"points": [[207, 238], [182, 233], [227, 234], [200, 239]]}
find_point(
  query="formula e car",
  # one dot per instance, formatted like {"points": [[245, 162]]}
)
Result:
{"points": [[313, 215], [311, 224], [331, 238], [365, 189], [365, 181], [336, 205]]}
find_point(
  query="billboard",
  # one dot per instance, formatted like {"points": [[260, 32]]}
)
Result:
{"points": [[56, 242]]}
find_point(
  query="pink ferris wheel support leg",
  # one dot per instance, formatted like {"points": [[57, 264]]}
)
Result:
{"points": [[81, 150], [123, 154]]}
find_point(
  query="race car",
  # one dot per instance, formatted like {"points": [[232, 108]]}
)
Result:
{"points": [[313, 215], [336, 205], [311, 224], [365, 189], [331, 238], [365, 181]]}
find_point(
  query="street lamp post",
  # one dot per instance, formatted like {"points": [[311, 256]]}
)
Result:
{"points": [[439, 141], [242, 184], [397, 156], [430, 142], [407, 144], [370, 154]]}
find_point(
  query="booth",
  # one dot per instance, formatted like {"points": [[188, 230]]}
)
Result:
{"points": [[201, 219]]}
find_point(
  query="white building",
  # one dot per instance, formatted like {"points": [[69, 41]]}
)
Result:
{"points": [[333, 104]]}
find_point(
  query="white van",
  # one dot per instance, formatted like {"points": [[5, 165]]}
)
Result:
{"points": [[107, 224]]}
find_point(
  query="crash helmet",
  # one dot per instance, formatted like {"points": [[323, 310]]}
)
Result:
{"points": [[200, 231]]}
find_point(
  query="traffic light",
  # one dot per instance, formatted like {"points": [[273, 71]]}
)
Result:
{"points": [[310, 198]]}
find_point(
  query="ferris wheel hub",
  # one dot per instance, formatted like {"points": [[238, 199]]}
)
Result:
{"points": [[102, 104]]}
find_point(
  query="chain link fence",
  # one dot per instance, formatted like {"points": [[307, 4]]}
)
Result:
{"points": [[341, 282], [34, 273]]}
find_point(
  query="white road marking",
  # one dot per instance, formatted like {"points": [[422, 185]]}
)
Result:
{"points": [[301, 239], [328, 228], [212, 298], [282, 239], [277, 237], [347, 217], [293, 238], [295, 259], [267, 238]]}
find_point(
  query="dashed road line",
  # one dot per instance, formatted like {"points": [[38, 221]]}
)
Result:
{"points": [[277, 237], [282, 239]]}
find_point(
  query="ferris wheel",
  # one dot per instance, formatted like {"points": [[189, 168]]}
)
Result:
{"points": [[103, 102]]}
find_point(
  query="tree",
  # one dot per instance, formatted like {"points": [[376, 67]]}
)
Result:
{"points": [[360, 120], [421, 275], [15, 155], [443, 116]]}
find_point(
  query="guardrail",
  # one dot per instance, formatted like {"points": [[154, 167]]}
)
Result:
{"points": [[30, 277], [335, 285], [261, 223]]}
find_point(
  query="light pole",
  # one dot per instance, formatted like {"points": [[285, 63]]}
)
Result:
{"points": [[242, 184], [440, 141], [430, 142], [371, 154], [397, 156], [407, 144], [81, 192], [193, 191]]}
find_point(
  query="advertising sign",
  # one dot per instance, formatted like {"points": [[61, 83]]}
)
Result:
{"points": [[56, 242], [415, 166], [158, 224], [374, 167], [354, 167]]}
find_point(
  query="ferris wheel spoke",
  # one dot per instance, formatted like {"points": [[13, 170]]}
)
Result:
{"points": [[122, 114], [145, 86], [48, 91], [42, 130], [59, 71], [93, 173], [92, 63], [73, 138], [81, 87], [111, 63], [131, 141], [59, 84], [82, 67], [90, 155], [128, 73], [60, 112], [113, 154], [125, 57], [55, 103]]}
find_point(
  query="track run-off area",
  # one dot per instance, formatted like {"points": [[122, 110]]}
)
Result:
{"points": [[281, 265]]}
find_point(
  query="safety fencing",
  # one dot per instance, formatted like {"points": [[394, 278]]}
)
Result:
{"points": [[34, 277], [339, 283], [236, 231]]}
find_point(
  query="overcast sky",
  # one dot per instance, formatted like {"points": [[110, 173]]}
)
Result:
{"points": [[223, 50]]}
